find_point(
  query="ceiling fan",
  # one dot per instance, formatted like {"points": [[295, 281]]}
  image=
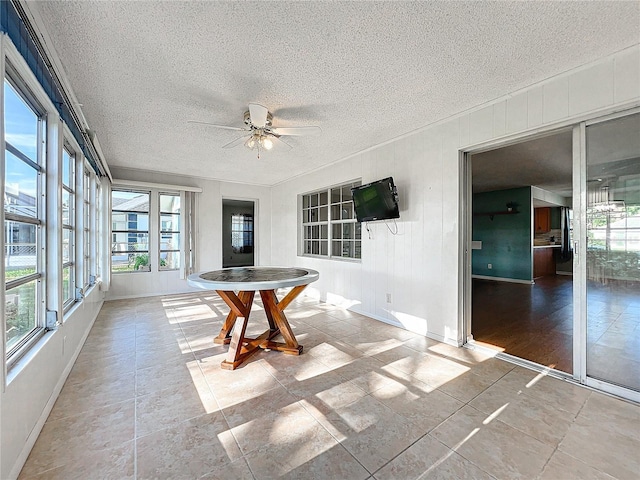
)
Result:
{"points": [[260, 134]]}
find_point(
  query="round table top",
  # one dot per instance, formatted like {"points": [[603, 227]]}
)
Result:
{"points": [[253, 278]]}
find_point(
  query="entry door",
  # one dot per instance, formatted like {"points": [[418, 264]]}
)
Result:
{"points": [[607, 234], [238, 233]]}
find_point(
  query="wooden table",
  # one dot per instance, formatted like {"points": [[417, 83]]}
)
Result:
{"points": [[246, 281]]}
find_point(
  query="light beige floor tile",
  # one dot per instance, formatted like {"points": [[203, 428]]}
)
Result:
{"points": [[419, 404], [557, 393], [270, 401], [116, 463], [163, 375], [612, 414], [88, 366], [170, 407], [603, 441], [371, 431], [236, 470], [326, 392], [366, 373], [492, 445], [151, 353], [565, 467], [335, 353], [430, 459], [465, 387], [189, 449], [437, 371], [528, 414], [286, 423], [492, 369], [71, 439], [291, 368], [401, 357], [315, 454], [372, 342], [93, 393]]}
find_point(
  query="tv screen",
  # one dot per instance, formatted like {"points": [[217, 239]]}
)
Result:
{"points": [[376, 201]]}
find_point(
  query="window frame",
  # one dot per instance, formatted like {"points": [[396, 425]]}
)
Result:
{"points": [[71, 227], [318, 219], [128, 231], [169, 232], [27, 341]]}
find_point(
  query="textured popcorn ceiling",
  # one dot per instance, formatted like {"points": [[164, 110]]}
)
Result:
{"points": [[364, 72]]}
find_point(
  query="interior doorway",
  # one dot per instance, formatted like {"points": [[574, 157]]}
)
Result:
{"points": [[238, 238], [521, 260]]}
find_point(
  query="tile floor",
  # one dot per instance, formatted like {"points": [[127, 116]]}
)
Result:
{"points": [[147, 399]]}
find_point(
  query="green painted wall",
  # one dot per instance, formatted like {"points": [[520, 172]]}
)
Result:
{"points": [[506, 240]]}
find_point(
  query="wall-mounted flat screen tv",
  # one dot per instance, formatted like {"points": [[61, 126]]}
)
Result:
{"points": [[376, 201]]}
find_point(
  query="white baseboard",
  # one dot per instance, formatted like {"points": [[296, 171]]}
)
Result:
{"points": [[388, 321], [501, 279]]}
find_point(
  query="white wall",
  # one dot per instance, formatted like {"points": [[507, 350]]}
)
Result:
{"points": [[209, 231], [419, 266], [35, 382]]}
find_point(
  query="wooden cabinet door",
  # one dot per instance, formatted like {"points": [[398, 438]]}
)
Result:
{"points": [[542, 219]]}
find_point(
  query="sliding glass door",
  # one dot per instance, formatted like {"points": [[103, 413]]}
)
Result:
{"points": [[609, 227]]}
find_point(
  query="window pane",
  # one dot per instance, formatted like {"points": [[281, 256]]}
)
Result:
{"points": [[170, 203], [67, 215], [170, 223], [347, 210], [335, 195], [324, 232], [357, 250], [336, 231], [67, 284], [314, 199], [169, 260], [20, 123], [335, 212], [20, 187], [315, 247], [315, 232], [130, 201], [347, 249], [313, 215], [67, 169], [130, 242], [20, 249], [170, 241], [323, 214], [324, 248], [130, 262], [324, 198], [336, 248], [20, 312], [67, 245], [305, 201], [347, 230], [358, 229], [346, 193]]}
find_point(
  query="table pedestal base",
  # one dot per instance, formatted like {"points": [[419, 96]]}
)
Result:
{"points": [[241, 348]]}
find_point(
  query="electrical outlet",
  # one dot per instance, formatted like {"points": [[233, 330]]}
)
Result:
{"points": [[388, 298], [489, 266]]}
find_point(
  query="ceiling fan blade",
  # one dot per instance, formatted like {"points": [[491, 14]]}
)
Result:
{"points": [[226, 127], [279, 143], [297, 131], [236, 142], [258, 115]]}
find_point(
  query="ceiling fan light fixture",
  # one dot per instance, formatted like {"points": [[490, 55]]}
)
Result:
{"points": [[251, 143], [266, 143]]}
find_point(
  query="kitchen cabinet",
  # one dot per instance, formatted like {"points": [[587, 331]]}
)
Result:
{"points": [[542, 219], [544, 261]]}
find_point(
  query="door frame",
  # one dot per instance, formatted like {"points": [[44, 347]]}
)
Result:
{"points": [[255, 224]]}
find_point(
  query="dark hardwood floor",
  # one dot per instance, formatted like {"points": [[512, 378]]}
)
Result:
{"points": [[533, 322]]}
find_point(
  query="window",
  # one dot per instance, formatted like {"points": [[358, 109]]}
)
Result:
{"points": [[169, 231], [130, 231], [87, 223], [24, 133], [329, 226], [241, 233], [68, 228]]}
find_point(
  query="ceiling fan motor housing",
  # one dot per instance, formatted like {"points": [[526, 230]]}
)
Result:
{"points": [[247, 119]]}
